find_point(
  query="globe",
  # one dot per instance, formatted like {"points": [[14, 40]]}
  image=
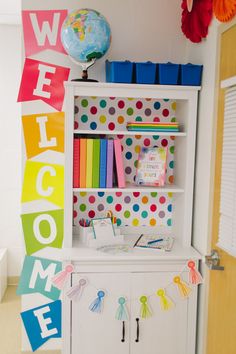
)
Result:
{"points": [[86, 36]]}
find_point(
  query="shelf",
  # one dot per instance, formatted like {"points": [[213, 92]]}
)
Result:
{"points": [[126, 132], [133, 188]]}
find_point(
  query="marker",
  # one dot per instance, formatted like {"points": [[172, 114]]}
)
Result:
{"points": [[154, 241]]}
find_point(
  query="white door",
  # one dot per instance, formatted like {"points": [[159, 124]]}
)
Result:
{"points": [[165, 332], [94, 333]]}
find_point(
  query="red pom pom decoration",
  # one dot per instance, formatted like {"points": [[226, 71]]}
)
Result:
{"points": [[195, 23]]}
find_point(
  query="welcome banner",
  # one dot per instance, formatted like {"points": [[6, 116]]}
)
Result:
{"points": [[42, 30], [36, 277], [43, 229], [47, 130], [43, 81], [43, 181]]}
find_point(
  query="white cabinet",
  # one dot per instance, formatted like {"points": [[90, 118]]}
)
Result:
{"points": [[103, 109], [165, 332]]}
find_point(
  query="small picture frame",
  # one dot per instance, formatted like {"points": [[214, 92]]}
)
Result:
{"points": [[103, 229], [151, 167]]}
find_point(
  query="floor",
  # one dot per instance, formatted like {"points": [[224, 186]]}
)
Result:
{"points": [[10, 324]]}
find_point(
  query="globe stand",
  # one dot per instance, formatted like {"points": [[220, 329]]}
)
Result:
{"points": [[85, 67]]}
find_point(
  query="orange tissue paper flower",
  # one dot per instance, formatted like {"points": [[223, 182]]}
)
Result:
{"points": [[224, 10]]}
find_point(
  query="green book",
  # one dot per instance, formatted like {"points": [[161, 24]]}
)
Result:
{"points": [[96, 162]]}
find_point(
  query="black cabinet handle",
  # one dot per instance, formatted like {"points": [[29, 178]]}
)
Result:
{"points": [[123, 332], [137, 336]]}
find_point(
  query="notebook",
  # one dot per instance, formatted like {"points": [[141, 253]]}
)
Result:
{"points": [[96, 162], [119, 164], [76, 162], [158, 242], [83, 157]]}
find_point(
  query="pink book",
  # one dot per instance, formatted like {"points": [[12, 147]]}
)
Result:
{"points": [[119, 164], [76, 163]]}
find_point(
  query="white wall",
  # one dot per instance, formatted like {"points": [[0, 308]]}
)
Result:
{"points": [[10, 146], [10, 12]]}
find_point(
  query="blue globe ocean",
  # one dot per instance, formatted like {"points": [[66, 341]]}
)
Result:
{"points": [[86, 35]]}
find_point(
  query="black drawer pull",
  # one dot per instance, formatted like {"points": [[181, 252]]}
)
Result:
{"points": [[123, 332], [137, 337]]}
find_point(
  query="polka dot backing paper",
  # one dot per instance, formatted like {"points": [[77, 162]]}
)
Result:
{"points": [[112, 114]]}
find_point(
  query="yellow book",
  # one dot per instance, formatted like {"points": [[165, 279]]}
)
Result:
{"points": [[89, 164]]}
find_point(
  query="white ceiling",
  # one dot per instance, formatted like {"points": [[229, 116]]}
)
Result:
{"points": [[10, 12]]}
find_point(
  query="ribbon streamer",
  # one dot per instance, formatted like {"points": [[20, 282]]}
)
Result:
{"points": [[145, 310], [122, 313], [195, 277], [96, 305], [183, 288], [60, 278], [76, 291], [165, 302]]}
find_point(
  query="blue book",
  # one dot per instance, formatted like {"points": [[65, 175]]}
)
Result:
{"points": [[103, 163]]}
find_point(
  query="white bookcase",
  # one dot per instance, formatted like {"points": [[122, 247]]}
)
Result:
{"points": [[104, 109]]}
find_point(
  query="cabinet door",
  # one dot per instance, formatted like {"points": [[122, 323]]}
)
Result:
{"points": [[94, 333], [165, 332]]}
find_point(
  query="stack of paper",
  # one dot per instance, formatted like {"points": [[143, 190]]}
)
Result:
{"points": [[153, 126]]}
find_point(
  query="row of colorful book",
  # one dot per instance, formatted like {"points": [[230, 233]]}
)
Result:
{"points": [[98, 163], [167, 127]]}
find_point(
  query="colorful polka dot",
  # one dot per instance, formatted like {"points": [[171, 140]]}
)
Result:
{"points": [[169, 222], [76, 125], [138, 136], [84, 103], [118, 207], [147, 112], [135, 207], [137, 149], [170, 194], [173, 106], [102, 119], [153, 208], [172, 149], [127, 199], [112, 98], [154, 194], [76, 109], [130, 111], [162, 200], [155, 137], [84, 118], [135, 163], [165, 112], [139, 104], [75, 199], [75, 214], [161, 214], [144, 214], [120, 136], [164, 142], [103, 103], [157, 105], [135, 222], [138, 119], [112, 110], [83, 194], [152, 222], [145, 200], [171, 164], [128, 170], [82, 207], [118, 194], [121, 104], [109, 199], [93, 125], [127, 214], [129, 142], [156, 119], [169, 208], [92, 199], [118, 222], [173, 119], [101, 207], [171, 179], [93, 110], [128, 155], [101, 194], [91, 214], [120, 119], [111, 126], [146, 142], [136, 194]]}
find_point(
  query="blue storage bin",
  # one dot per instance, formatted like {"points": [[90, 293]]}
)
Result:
{"points": [[119, 71], [191, 74], [168, 73], [145, 73]]}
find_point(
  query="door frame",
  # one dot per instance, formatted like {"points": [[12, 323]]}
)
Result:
{"points": [[204, 291]]}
